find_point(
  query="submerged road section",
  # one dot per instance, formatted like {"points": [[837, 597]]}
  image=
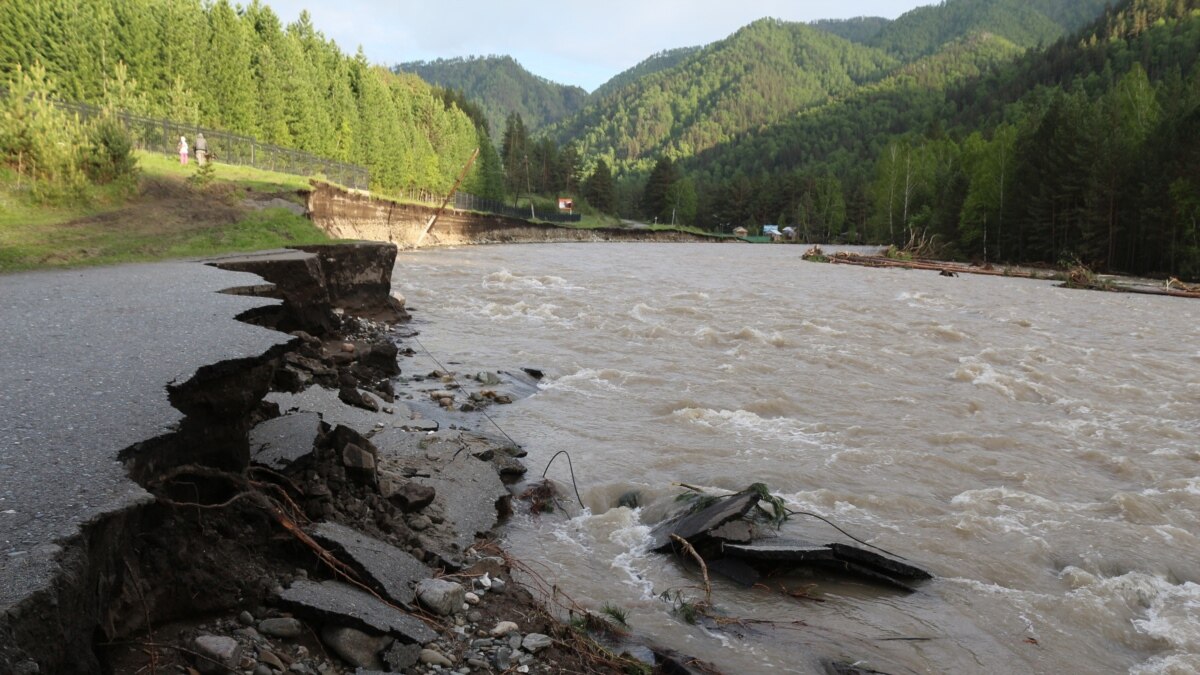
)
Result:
{"points": [[87, 359]]}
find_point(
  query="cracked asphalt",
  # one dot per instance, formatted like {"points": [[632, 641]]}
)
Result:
{"points": [[86, 359]]}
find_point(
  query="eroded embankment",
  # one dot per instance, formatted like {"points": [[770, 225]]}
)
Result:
{"points": [[349, 215], [301, 515]]}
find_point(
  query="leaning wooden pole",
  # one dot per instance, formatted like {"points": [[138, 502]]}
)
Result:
{"points": [[449, 196]]}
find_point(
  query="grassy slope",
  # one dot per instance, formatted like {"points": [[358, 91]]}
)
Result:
{"points": [[168, 219]]}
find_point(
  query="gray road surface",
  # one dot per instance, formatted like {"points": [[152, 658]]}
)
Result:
{"points": [[85, 360]]}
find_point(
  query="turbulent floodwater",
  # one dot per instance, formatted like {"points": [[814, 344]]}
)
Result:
{"points": [[1037, 448]]}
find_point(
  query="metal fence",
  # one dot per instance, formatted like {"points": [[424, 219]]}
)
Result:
{"points": [[162, 136], [465, 201]]}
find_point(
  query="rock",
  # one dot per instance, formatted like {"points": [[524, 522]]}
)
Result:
{"points": [[401, 656], [503, 658], [420, 522], [246, 618], [434, 658], [392, 571], [382, 357], [484, 582], [358, 459], [284, 627], [220, 653], [268, 657], [441, 394], [406, 495], [535, 642], [514, 641], [248, 633], [503, 628], [471, 598], [336, 602], [348, 347], [498, 585], [440, 596], [263, 669], [358, 398], [356, 647]]}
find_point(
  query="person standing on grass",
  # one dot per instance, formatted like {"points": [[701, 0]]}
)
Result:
{"points": [[183, 150], [201, 149]]}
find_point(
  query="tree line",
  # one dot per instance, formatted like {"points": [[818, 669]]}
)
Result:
{"points": [[241, 70]]}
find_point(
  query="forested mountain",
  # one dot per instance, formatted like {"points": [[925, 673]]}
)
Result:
{"points": [[502, 87], [240, 70], [859, 29], [663, 60], [1089, 150], [760, 75], [1026, 23]]}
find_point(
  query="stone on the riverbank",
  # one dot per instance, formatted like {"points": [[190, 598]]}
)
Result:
{"points": [[220, 653], [358, 398], [440, 596], [535, 642], [503, 628], [435, 658], [400, 656], [358, 459], [406, 495], [281, 627], [356, 647]]}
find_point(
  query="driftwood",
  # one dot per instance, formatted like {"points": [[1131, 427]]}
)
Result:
{"points": [[948, 268], [1174, 288]]}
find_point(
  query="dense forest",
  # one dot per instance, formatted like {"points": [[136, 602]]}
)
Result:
{"points": [[502, 87], [1087, 150], [241, 70], [1005, 130]]}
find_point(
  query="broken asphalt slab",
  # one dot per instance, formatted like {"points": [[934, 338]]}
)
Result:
{"points": [[334, 602], [392, 571], [278, 442]]}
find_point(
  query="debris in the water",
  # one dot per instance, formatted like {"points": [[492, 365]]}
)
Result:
{"points": [[734, 536]]}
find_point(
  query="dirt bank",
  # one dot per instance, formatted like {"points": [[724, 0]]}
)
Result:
{"points": [[307, 519], [351, 215]]}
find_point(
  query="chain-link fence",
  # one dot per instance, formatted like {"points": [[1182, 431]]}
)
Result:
{"points": [[162, 136], [465, 201]]}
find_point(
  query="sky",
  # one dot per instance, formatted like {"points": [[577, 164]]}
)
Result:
{"points": [[566, 41]]}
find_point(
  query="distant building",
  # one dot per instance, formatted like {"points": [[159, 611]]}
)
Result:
{"points": [[740, 232], [789, 232]]}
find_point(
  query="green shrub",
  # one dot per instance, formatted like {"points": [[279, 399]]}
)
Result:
{"points": [[109, 157]]}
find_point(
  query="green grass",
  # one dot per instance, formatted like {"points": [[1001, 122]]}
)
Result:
{"points": [[103, 227], [158, 165]]}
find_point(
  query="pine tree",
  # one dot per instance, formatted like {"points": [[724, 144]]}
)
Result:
{"points": [[598, 189]]}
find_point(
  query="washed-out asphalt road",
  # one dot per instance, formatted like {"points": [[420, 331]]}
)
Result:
{"points": [[86, 360]]}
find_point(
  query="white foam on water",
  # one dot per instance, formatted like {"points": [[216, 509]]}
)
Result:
{"points": [[594, 382], [714, 337], [538, 314], [740, 423], [506, 280]]}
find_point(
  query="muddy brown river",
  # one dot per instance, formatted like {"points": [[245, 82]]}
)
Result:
{"points": [[1036, 448]]}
